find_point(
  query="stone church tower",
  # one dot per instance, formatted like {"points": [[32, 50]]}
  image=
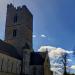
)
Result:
{"points": [[19, 26], [18, 33]]}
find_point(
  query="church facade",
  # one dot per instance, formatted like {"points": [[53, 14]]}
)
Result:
{"points": [[16, 51]]}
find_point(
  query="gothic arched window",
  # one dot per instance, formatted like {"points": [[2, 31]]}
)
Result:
{"points": [[15, 18], [14, 32]]}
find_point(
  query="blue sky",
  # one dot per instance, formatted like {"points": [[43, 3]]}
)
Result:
{"points": [[56, 21], [52, 18], [53, 21]]}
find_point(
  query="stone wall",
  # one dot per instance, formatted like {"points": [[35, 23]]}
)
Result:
{"points": [[23, 26], [9, 65], [26, 61]]}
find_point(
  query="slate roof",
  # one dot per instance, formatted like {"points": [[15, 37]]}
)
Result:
{"points": [[8, 49], [36, 58]]}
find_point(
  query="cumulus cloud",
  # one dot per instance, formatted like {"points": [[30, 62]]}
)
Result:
{"points": [[43, 36], [46, 48], [54, 49], [55, 55], [56, 52]]}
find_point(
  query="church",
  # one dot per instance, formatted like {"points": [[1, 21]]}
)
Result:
{"points": [[16, 51]]}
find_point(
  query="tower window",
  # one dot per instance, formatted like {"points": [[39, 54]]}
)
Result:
{"points": [[14, 32], [15, 18]]}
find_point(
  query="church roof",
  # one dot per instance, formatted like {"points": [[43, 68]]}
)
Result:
{"points": [[36, 58], [8, 49]]}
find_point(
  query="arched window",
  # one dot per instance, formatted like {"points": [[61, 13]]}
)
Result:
{"points": [[15, 18], [14, 32], [27, 46]]}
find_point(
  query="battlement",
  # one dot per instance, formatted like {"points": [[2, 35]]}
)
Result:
{"points": [[21, 8], [10, 6]]}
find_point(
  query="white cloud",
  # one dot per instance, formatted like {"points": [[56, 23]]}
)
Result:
{"points": [[56, 52], [46, 48], [54, 49], [69, 60], [34, 36], [43, 36], [73, 67], [69, 52], [55, 55]]}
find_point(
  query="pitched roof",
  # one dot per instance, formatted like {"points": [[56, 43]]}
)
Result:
{"points": [[36, 58], [8, 49]]}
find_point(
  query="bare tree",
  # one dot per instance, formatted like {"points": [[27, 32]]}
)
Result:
{"points": [[65, 63]]}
